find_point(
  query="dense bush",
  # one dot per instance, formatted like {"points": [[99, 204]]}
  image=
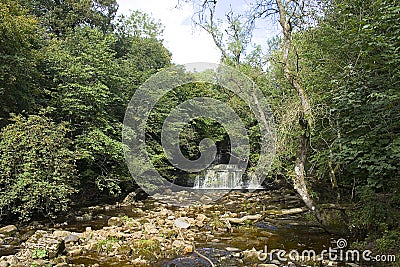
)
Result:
{"points": [[351, 70], [37, 169]]}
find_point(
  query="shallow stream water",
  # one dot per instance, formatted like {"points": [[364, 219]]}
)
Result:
{"points": [[274, 231]]}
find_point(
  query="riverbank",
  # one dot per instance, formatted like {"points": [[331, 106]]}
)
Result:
{"points": [[232, 232]]}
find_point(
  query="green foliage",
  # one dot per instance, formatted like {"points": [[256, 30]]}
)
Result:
{"points": [[39, 253], [59, 17], [18, 59], [37, 168], [140, 45], [350, 68], [361, 96], [105, 245], [149, 249], [85, 93], [93, 83], [389, 242], [66, 58], [138, 25], [371, 213]]}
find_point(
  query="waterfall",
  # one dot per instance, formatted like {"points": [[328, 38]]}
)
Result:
{"points": [[197, 182], [223, 176]]}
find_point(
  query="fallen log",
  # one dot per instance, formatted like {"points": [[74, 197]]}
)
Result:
{"points": [[243, 219], [287, 211]]}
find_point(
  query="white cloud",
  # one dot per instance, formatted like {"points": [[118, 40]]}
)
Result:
{"points": [[185, 43]]}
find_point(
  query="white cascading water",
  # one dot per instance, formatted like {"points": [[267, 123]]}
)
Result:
{"points": [[224, 176]]}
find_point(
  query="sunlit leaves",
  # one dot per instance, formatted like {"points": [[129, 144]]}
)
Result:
{"points": [[37, 167]]}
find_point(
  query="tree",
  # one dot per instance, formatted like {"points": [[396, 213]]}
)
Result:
{"points": [[233, 40], [85, 93], [59, 17], [290, 14], [19, 56], [64, 59], [138, 25], [350, 62], [93, 76]]}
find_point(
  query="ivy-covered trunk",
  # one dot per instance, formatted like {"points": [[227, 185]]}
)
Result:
{"points": [[299, 181]]}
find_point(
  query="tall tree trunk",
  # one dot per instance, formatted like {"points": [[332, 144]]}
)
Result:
{"points": [[299, 181]]}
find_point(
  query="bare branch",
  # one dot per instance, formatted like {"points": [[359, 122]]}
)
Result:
{"points": [[208, 25]]}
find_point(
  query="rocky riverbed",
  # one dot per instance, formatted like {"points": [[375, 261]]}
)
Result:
{"points": [[236, 231]]}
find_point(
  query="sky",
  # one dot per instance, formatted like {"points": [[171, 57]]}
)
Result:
{"points": [[188, 43]]}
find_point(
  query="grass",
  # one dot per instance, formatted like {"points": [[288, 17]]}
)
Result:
{"points": [[105, 245]]}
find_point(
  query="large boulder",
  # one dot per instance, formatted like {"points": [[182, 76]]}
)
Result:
{"points": [[115, 221], [8, 230], [45, 241], [133, 196]]}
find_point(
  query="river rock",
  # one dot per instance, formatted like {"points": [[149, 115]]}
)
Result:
{"points": [[40, 262], [115, 221], [75, 252], [163, 212], [178, 244], [182, 193], [71, 238], [167, 191], [243, 219], [130, 198], [188, 249], [267, 265], [46, 241], [124, 250], [182, 223], [8, 230], [251, 254], [200, 220], [151, 228], [60, 233]]}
